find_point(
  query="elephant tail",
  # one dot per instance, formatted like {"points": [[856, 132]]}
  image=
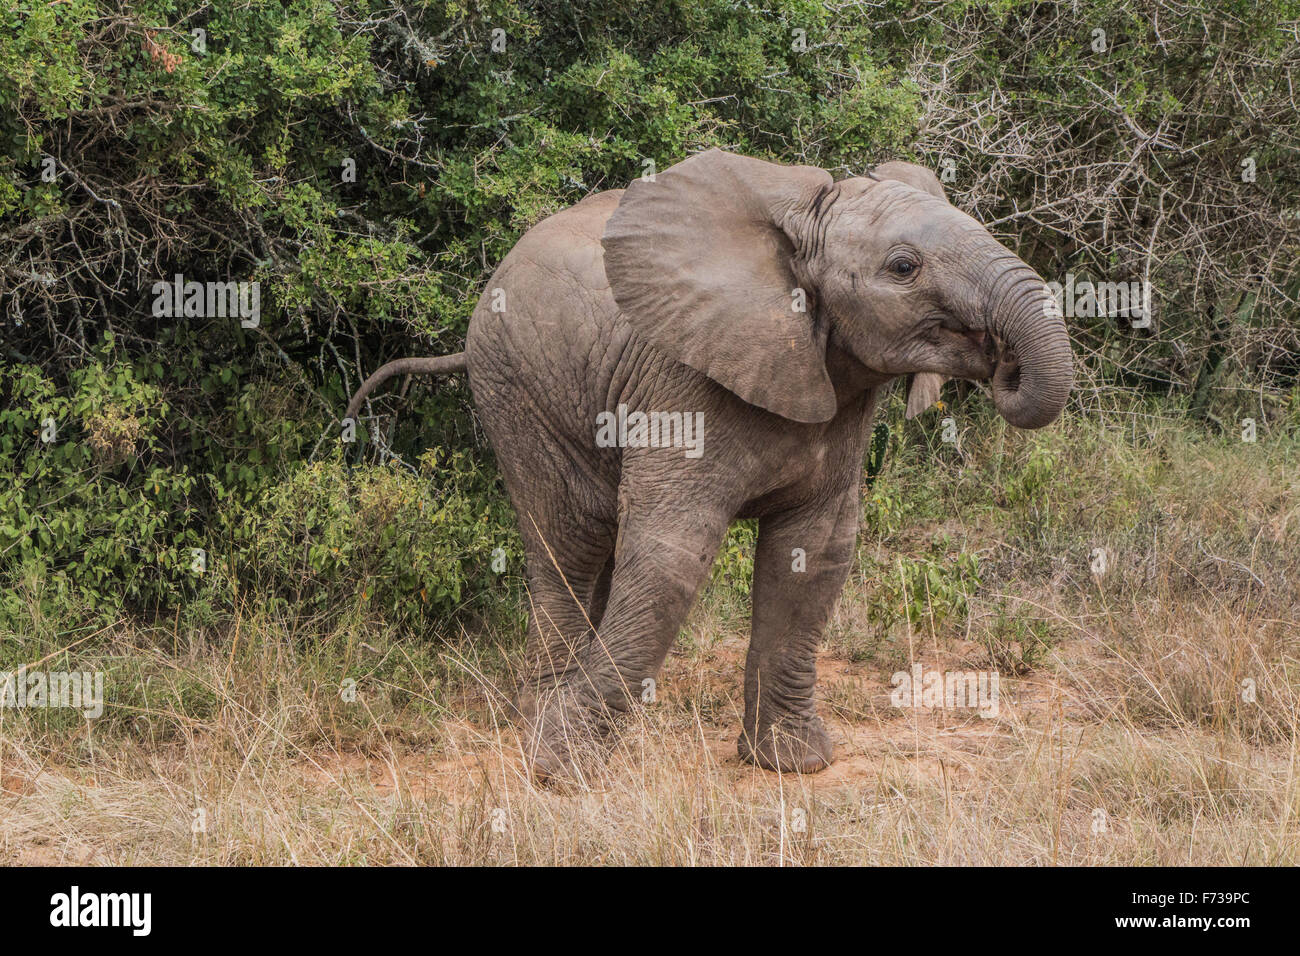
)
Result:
{"points": [[435, 365]]}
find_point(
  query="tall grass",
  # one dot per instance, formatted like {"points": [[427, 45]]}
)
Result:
{"points": [[1149, 710]]}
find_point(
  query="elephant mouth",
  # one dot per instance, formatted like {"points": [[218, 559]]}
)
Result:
{"points": [[1004, 364], [985, 344], [980, 353]]}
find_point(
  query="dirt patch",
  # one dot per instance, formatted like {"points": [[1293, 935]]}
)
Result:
{"points": [[854, 701]]}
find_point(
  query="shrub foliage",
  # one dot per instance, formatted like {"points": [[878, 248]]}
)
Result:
{"points": [[368, 163]]}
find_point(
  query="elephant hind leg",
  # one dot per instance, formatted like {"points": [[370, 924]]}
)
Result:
{"points": [[566, 607], [567, 588]]}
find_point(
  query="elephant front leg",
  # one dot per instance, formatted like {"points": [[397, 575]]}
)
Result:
{"points": [[802, 560]]}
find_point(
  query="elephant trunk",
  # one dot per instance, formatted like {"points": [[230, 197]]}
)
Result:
{"points": [[1035, 368]]}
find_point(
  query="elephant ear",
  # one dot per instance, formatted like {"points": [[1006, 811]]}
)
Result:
{"points": [[699, 261], [923, 392]]}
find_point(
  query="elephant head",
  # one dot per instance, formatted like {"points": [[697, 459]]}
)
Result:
{"points": [[747, 271]]}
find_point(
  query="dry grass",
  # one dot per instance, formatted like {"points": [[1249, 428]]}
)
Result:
{"points": [[1126, 737]]}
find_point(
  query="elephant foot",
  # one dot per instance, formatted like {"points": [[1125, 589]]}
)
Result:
{"points": [[789, 746], [566, 740]]}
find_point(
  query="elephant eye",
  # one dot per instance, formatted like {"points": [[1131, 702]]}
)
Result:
{"points": [[902, 267]]}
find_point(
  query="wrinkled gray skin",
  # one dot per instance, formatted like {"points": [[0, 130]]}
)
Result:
{"points": [[677, 295]]}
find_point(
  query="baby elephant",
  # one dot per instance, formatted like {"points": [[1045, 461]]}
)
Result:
{"points": [[706, 345]]}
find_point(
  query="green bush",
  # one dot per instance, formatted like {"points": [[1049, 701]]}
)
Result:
{"points": [[929, 591], [412, 545], [369, 163], [80, 512], [734, 567], [94, 523], [1029, 484]]}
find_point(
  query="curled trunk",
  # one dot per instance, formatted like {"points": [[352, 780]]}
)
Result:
{"points": [[1035, 368]]}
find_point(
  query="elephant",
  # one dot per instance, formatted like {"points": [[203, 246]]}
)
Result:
{"points": [[770, 306]]}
